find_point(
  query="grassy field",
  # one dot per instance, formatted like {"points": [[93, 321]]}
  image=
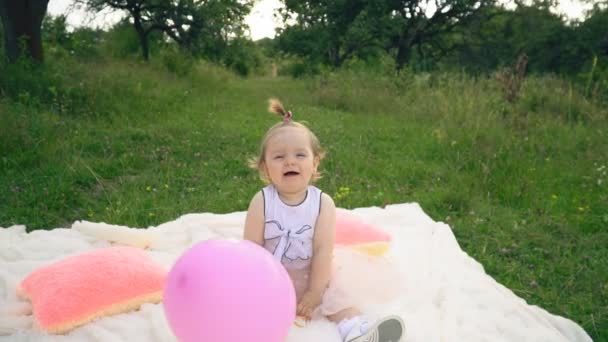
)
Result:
{"points": [[524, 185]]}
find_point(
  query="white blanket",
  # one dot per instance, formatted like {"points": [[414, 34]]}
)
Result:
{"points": [[447, 296]]}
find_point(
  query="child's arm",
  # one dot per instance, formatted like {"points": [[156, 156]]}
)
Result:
{"points": [[323, 247], [254, 223]]}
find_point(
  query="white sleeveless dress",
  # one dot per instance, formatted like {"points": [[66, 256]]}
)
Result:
{"points": [[288, 234]]}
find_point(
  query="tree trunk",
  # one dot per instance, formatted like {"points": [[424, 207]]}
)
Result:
{"points": [[333, 54], [145, 46], [407, 40], [403, 55], [142, 34], [22, 21]]}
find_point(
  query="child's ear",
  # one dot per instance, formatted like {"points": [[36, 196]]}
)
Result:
{"points": [[316, 162]]}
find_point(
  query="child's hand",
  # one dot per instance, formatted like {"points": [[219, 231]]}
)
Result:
{"points": [[309, 303]]}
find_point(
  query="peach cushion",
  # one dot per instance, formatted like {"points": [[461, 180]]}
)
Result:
{"points": [[80, 288], [351, 230]]}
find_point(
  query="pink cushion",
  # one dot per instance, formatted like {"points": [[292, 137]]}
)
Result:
{"points": [[351, 230], [80, 288]]}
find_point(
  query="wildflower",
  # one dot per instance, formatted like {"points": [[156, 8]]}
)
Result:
{"points": [[343, 192]]}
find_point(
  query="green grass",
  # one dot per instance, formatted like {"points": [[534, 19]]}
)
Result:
{"points": [[524, 185]]}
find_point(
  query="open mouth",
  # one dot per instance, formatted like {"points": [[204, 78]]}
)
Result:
{"points": [[291, 173]]}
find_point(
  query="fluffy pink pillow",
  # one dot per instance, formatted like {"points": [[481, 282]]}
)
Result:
{"points": [[351, 230], [81, 288]]}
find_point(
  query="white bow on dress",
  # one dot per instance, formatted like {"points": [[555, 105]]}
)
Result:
{"points": [[295, 243]]}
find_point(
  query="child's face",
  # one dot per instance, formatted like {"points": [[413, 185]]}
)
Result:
{"points": [[289, 161]]}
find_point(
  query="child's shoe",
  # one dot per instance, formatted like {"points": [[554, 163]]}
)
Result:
{"points": [[387, 329]]}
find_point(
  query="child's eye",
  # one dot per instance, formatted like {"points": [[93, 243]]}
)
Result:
{"points": [[301, 155], [278, 157]]}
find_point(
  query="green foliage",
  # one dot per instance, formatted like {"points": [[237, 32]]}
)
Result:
{"points": [[81, 42], [482, 38], [196, 26], [331, 32], [297, 68], [593, 72], [121, 41], [178, 62], [55, 31], [335, 31], [591, 31], [497, 38], [223, 26], [544, 48], [593, 79], [380, 65], [243, 56], [239, 54], [24, 79], [46, 85], [268, 47], [85, 42]]}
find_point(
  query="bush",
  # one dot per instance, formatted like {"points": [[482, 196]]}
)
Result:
{"points": [[176, 61], [243, 57], [26, 80], [85, 42], [299, 69], [594, 79], [44, 85], [59, 43], [120, 41]]}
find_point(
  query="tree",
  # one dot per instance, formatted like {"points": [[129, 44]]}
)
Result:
{"points": [[224, 27], [330, 31], [22, 21], [411, 25], [184, 21], [551, 43], [335, 30], [592, 32]]}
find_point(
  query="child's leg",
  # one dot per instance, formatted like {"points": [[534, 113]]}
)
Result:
{"points": [[353, 327], [344, 314]]}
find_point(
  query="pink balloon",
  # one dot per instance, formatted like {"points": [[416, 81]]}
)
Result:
{"points": [[223, 290]]}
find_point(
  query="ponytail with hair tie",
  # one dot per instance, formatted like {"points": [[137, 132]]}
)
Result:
{"points": [[276, 107]]}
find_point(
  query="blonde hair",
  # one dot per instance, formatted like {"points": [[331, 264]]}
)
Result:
{"points": [[275, 107]]}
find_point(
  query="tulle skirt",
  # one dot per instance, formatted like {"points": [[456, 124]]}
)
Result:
{"points": [[358, 281]]}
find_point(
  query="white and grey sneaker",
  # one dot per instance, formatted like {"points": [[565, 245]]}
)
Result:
{"points": [[387, 329]]}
